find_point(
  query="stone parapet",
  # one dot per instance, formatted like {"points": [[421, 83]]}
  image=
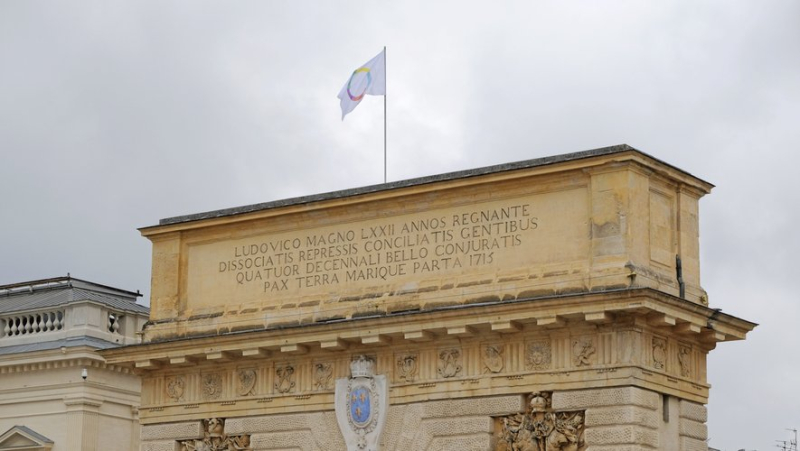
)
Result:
{"points": [[529, 230]]}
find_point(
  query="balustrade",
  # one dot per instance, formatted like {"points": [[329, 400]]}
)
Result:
{"points": [[32, 323]]}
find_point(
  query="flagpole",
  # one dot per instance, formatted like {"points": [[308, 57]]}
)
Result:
{"points": [[384, 114]]}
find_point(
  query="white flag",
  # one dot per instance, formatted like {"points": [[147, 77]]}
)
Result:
{"points": [[367, 79]]}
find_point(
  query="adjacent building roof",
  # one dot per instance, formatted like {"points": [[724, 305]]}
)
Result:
{"points": [[60, 291], [25, 432]]}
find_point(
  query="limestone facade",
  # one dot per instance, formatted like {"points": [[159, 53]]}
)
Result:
{"points": [[619, 419], [49, 332], [553, 304]]}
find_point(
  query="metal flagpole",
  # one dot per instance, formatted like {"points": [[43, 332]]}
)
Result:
{"points": [[385, 92]]}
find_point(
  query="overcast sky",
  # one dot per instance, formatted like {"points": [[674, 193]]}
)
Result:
{"points": [[116, 114]]}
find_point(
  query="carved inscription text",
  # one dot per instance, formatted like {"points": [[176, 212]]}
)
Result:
{"points": [[370, 253]]}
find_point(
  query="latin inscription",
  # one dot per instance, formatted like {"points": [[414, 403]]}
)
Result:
{"points": [[387, 250]]}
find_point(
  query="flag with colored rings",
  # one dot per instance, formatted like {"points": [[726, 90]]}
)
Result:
{"points": [[369, 79]]}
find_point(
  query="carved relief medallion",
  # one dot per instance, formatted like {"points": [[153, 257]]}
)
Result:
{"points": [[582, 351], [284, 378], [493, 358], [175, 387], [212, 385], [449, 362], [538, 355], [659, 353], [407, 367], [323, 376], [246, 382], [685, 360]]}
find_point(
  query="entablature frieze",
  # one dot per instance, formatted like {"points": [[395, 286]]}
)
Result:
{"points": [[630, 337]]}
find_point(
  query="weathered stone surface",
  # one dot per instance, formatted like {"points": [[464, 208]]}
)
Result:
{"points": [[622, 435], [270, 423], [164, 445], [693, 429], [693, 411], [472, 442], [582, 399], [500, 405], [690, 444], [174, 431], [621, 448], [609, 416]]}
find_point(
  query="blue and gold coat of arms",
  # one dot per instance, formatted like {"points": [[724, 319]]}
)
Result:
{"points": [[360, 406]]}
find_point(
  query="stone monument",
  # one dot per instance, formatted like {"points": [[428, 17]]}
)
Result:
{"points": [[549, 304]]}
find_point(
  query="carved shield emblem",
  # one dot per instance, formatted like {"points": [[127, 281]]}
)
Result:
{"points": [[247, 382], [360, 406]]}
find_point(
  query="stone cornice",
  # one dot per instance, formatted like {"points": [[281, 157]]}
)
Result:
{"points": [[650, 306], [55, 359]]}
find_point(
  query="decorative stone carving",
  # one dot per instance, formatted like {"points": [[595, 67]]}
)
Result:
{"points": [[246, 382], [175, 388], [541, 429], [493, 358], [215, 439], [407, 368], [582, 351], [362, 405], [538, 355], [284, 376], [685, 360], [449, 362], [323, 376], [659, 353], [212, 385]]}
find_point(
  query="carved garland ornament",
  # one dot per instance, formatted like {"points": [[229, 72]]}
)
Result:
{"points": [[215, 439], [659, 353], [175, 388], [493, 359], [246, 382], [541, 429], [285, 378], [685, 360], [582, 351], [323, 375], [407, 368], [212, 385], [449, 363]]}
